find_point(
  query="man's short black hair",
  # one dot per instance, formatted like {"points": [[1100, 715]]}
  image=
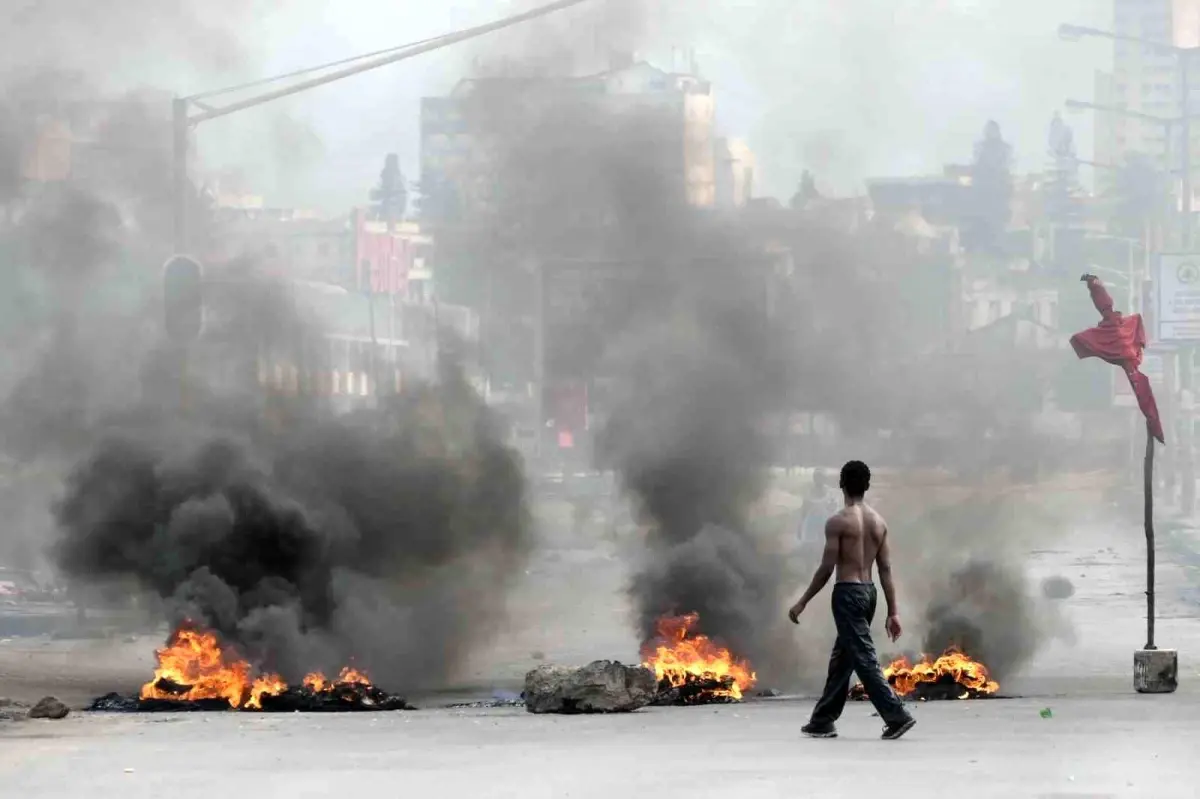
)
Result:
{"points": [[856, 479]]}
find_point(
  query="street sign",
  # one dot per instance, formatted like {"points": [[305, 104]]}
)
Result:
{"points": [[1178, 311]]}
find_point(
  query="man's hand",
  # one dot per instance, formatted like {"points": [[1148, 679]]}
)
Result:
{"points": [[794, 613], [893, 627]]}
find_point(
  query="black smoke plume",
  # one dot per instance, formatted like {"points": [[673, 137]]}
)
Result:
{"points": [[674, 328], [304, 538], [688, 366], [309, 540], [962, 564], [984, 610], [686, 433]]}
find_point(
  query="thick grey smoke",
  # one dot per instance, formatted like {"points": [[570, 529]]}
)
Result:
{"points": [[964, 582], [73, 244], [685, 432], [698, 343], [306, 539], [381, 538], [698, 340], [984, 609], [676, 326], [122, 39], [85, 220], [692, 370], [85, 198]]}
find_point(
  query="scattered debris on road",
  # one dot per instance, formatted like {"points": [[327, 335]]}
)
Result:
{"points": [[49, 708]]}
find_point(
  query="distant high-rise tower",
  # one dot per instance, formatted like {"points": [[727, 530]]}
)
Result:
{"points": [[1147, 81]]}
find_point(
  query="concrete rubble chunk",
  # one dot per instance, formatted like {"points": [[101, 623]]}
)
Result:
{"points": [[1155, 671], [604, 686], [49, 708]]}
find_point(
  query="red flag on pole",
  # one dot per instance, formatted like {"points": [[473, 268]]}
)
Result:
{"points": [[1119, 340]]}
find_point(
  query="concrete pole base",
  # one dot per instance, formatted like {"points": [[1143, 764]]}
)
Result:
{"points": [[1155, 671]]}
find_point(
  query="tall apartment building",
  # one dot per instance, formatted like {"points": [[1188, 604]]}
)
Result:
{"points": [[455, 156], [1148, 81]]}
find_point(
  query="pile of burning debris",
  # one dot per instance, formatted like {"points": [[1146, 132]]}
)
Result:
{"points": [[195, 673], [679, 667], [951, 675], [692, 669]]}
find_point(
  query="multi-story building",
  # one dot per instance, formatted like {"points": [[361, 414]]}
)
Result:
{"points": [[351, 251], [1147, 80], [455, 154], [366, 288], [285, 242]]}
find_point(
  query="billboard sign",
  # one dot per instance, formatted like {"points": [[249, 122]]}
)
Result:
{"points": [[1178, 311]]}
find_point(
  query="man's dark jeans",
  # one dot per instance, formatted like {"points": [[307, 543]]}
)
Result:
{"points": [[853, 612]]}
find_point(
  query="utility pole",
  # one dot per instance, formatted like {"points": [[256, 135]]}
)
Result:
{"points": [[1185, 122], [1170, 218], [1188, 493], [391, 189], [179, 178], [539, 357], [372, 361]]}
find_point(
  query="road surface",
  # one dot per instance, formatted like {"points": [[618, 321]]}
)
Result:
{"points": [[1091, 746], [1101, 739]]}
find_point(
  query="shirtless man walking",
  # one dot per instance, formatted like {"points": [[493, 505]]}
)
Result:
{"points": [[855, 541]]}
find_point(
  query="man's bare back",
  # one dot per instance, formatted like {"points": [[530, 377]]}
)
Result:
{"points": [[859, 533], [856, 541]]}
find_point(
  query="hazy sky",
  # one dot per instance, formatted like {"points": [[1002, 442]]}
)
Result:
{"points": [[850, 88]]}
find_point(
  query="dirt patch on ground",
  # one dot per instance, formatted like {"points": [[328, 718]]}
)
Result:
{"points": [[74, 671]]}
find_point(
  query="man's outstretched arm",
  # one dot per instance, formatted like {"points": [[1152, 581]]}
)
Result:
{"points": [[883, 561], [829, 559]]}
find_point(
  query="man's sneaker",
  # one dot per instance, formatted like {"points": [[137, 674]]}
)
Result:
{"points": [[893, 731], [814, 730]]}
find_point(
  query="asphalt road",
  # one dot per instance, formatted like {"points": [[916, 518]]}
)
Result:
{"points": [[1091, 746], [1101, 739]]}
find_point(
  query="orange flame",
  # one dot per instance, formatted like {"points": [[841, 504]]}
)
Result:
{"points": [[317, 682], [970, 674], [267, 685], [193, 666], [677, 656]]}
